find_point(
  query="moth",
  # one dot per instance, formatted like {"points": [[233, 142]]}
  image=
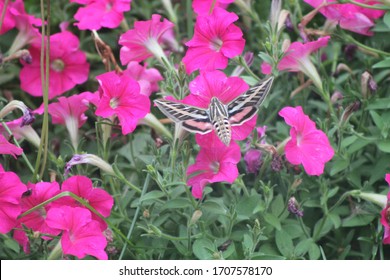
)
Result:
{"points": [[218, 116]]}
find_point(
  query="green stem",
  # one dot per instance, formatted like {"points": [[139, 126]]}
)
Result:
{"points": [[351, 39], [241, 61], [29, 165], [374, 7], [144, 189], [190, 24], [3, 13]]}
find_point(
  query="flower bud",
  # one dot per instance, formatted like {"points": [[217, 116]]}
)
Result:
{"points": [[90, 159], [28, 117], [253, 161], [350, 51], [351, 108], [293, 207], [368, 84], [196, 216]]}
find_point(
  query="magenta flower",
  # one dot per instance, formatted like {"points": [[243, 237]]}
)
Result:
{"points": [[147, 78], [253, 157], [7, 148], [16, 16], [308, 146], [81, 235], [11, 190], [144, 40], [36, 220], [68, 66], [69, 111], [101, 13], [215, 40], [21, 131], [349, 16], [215, 163], [97, 198], [120, 96], [385, 216], [297, 59], [205, 7], [215, 84]]}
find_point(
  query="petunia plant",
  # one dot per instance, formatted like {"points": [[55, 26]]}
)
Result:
{"points": [[203, 129]]}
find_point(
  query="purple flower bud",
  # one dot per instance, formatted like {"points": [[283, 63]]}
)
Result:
{"points": [[248, 57], [293, 207], [28, 118], [276, 163], [253, 161], [350, 51], [288, 23], [26, 57]]}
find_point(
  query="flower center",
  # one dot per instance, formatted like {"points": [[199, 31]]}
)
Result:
{"points": [[57, 65], [299, 138], [214, 166], [109, 6], [114, 103], [216, 44]]}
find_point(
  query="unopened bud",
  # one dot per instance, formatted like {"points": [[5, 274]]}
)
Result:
{"points": [[351, 108], [285, 45], [26, 56], [288, 23], [196, 216], [368, 84], [336, 96], [350, 51], [89, 159], [248, 57], [283, 15], [293, 207], [146, 214], [276, 163]]}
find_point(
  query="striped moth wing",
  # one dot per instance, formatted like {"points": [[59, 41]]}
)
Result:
{"points": [[193, 119], [245, 106]]}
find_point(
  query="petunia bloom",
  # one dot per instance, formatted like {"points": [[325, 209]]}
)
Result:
{"points": [[349, 16], [100, 13], [82, 186], [385, 216], [6, 148], [68, 66], [215, 40], [11, 190], [205, 7], [81, 235], [308, 146], [69, 111], [297, 59], [21, 131], [144, 40], [120, 96], [36, 220], [147, 78], [214, 163]]}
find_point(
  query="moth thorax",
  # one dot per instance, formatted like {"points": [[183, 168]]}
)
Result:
{"points": [[223, 130]]}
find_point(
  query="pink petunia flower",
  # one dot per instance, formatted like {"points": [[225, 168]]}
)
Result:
{"points": [[7, 148], [216, 84], [144, 40], [68, 66], [205, 7], [101, 13], [349, 16], [21, 131], [97, 198], [36, 220], [16, 17], [120, 96], [11, 190], [385, 216], [214, 163], [215, 40], [297, 59], [147, 78], [308, 146], [253, 157], [81, 235], [69, 111]]}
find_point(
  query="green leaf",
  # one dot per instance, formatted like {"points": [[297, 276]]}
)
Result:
{"points": [[277, 205], [377, 119], [382, 64], [177, 203], [204, 249], [386, 19], [284, 243], [272, 220], [358, 220], [303, 247], [380, 103], [384, 146], [314, 252], [213, 207], [339, 165], [12, 244], [246, 206], [152, 196], [335, 220], [348, 141]]}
